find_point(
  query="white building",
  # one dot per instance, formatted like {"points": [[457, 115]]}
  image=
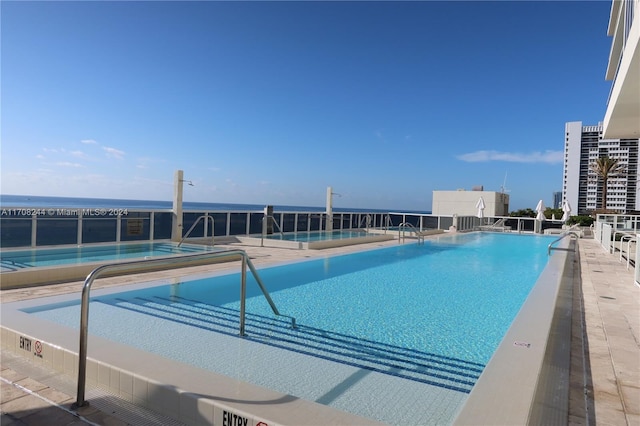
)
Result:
{"points": [[581, 187], [622, 119], [463, 203]]}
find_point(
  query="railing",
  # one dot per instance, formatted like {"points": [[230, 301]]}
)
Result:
{"points": [[629, 239], [366, 219], [20, 228], [401, 231], [265, 224], [150, 264], [203, 217], [566, 234]]}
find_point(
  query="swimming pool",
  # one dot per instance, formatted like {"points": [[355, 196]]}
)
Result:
{"points": [[316, 239], [11, 260], [309, 236], [395, 334], [33, 266]]}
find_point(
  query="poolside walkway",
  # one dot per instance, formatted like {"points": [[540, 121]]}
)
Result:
{"points": [[611, 328]]}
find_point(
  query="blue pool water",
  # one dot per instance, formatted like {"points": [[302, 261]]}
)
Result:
{"points": [[311, 236], [414, 322], [18, 259]]}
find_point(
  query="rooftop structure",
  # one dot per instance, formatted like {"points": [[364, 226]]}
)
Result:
{"points": [[464, 203], [622, 119]]}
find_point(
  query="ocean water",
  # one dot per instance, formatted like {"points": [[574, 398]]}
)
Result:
{"points": [[7, 201]]}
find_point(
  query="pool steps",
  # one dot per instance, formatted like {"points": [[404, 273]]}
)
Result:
{"points": [[436, 370]]}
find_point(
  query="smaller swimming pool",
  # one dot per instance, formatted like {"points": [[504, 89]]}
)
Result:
{"points": [[13, 260], [31, 267], [315, 239], [317, 235]]}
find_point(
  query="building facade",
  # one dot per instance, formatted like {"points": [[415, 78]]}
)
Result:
{"points": [[581, 186], [622, 118], [464, 203]]}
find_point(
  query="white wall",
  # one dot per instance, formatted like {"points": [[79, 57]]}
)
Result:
{"points": [[463, 203], [571, 172]]}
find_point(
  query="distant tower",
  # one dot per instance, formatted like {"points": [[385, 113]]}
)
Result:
{"points": [[557, 199], [580, 187]]}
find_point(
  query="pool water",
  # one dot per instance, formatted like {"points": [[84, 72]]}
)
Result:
{"points": [[409, 328], [18, 259], [311, 236]]}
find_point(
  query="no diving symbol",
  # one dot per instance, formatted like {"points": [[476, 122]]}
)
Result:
{"points": [[38, 347]]}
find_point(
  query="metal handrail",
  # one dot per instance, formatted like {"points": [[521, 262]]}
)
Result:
{"points": [[630, 239], [367, 221], [263, 228], [412, 228], [566, 234], [205, 216], [147, 265]]}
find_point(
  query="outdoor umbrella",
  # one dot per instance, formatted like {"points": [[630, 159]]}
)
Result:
{"points": [[540, 211], [480, 207], [566, 208]]}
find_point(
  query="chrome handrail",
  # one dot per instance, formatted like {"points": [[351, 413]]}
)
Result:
{"points": [[204, 216], [565, 234], [412, 228], [147, 265], [264, 230]]}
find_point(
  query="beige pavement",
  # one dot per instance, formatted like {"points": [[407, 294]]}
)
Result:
{"points": [[610, 325]]}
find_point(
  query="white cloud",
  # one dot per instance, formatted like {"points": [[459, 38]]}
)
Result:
{"points": [[68, 164], [113, 153], [79, 154], [89, 142], [549, 157], [40, 157]]}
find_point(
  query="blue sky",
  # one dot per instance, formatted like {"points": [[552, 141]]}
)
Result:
{"points": [[272, 102]]}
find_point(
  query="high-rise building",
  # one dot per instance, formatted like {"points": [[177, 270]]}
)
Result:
{"points": [[581, 186], [557, 200], [622, 119]]}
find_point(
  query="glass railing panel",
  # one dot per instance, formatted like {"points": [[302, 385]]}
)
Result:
{"points": [[162, 223], [98, 230], [15, 232], [57, 231], [134, 229], [238, 224]]}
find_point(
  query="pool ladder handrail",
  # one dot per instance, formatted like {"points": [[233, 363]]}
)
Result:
{"points": [[205, 217], [367, 219], [147, 265], [569, 233], [401, 231], [264, 230]]}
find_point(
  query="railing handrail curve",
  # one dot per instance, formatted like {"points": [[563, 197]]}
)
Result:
{"points": [[145, 266], [205, 217], [411, 228], [563, 235]]}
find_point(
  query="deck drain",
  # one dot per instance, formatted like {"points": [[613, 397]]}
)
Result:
{"points": [[608, 297]]}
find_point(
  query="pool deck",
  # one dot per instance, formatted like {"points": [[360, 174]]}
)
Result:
{"points": [[611, 327]]}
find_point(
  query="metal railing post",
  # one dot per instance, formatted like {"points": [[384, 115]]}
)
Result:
{"points": [[148, 265], [243, 293]]}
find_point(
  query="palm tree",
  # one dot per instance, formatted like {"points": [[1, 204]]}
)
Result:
{"points": [[605, 167]]}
